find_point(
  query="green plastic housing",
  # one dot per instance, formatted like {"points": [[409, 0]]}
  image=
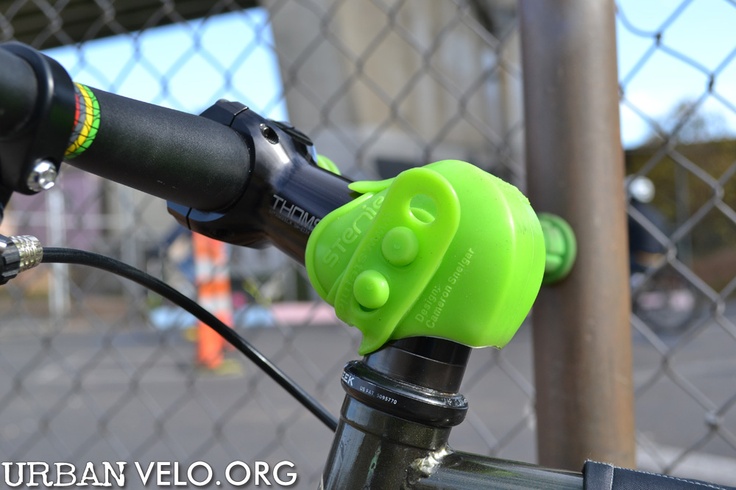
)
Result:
{"points": [[446, 250]]}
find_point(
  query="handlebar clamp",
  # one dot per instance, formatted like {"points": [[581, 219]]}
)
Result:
{"points": [[30, 156]]}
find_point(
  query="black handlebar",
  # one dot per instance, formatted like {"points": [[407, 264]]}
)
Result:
{"points": [[166, 153], [229, 173], [183, 158]]}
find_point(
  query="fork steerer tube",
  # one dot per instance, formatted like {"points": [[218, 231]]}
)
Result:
{"points": [[415, 379], [402, 402], [400, 406]]}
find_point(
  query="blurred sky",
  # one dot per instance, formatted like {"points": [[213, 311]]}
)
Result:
{"points": [[698, 40], [227, 56]]}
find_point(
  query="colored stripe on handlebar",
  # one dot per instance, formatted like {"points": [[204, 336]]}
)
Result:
{"points": [[86, 120]]}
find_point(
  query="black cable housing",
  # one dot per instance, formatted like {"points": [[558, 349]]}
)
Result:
{"points": [[81, 257]]}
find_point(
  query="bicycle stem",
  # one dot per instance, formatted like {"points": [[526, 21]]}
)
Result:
{"points": [[286, 193]]}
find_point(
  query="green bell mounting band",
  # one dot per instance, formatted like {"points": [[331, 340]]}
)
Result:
{"points": [[446, 250], [327, 164], [561, 247]]}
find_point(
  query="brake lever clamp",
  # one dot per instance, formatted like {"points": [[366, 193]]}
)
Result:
{"points": [[30, 157], [446, 250]]}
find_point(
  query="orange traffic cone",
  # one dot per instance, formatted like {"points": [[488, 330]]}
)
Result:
{"points": [[212, 277]]}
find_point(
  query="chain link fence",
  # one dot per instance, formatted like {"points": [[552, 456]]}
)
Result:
{"points": [[96, 369], [678, 106]]}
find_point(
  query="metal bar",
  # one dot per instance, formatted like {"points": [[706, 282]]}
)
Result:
{"points": [[575, 168], [82, 20], [460, 470]]}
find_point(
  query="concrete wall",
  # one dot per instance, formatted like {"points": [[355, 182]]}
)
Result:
{"points": [[412, 81]]}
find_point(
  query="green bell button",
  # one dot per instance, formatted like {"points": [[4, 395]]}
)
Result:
{"points": [[400, 246], [371, 289]]}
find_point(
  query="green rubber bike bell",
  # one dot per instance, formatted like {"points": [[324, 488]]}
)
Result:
{"points": [[446, 250]]}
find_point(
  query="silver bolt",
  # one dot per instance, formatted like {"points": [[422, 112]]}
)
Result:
{"points": [[42, 177]]}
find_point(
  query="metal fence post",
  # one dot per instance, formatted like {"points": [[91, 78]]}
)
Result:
{"points": [[575, 167]]}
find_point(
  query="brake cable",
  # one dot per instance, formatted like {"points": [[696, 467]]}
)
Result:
{"points": [[81, 257]]}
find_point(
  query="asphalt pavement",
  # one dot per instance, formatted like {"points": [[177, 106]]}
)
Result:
{"points": [[126, 393]]}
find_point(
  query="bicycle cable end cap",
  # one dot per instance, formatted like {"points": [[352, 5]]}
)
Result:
{"points": [[18, 254]]}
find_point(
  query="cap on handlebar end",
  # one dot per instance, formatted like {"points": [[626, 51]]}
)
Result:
{"points": [[446, 250]]}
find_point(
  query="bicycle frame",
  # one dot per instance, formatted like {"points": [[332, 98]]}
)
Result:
{"points": [[402, 400]]}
